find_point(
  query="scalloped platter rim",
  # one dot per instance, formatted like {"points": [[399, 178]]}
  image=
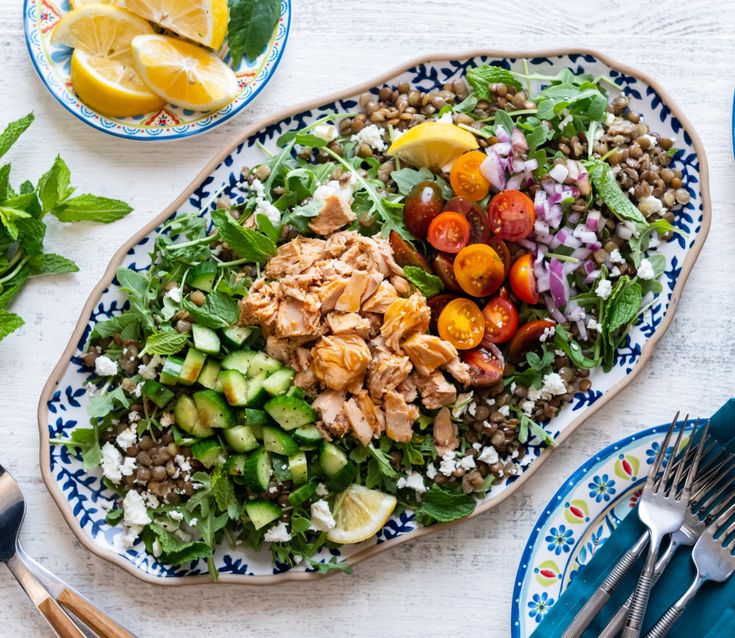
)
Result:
{"points": [[82, 498], [169, 123]]}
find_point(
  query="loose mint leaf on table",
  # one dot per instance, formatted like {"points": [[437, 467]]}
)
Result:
{"points": [[6, 189], [91, 208], [251, 27], [218, 311], [245, 242], [480, 78], [13, 131], [441, 506], [53, 187], [52, 264], [166, 342], [428, 284], [9, 322]]}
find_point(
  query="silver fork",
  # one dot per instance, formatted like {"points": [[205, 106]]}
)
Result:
{"points": [[712, 556], [661, 509]]}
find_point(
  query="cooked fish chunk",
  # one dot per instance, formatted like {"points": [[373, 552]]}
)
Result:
{"points": [[351, 298], [408, 388], [330, 293], [328, 405], [335, 213], [399, 418], [348, 323], [435, 390], [282, 349], [459, 370], [373, 282], [381, 299], [445, 432], [294, 320], [340, 360], [295, 257], [260, 307], [428, 352], [405, 317], [374, 415], [361, 429], [386, 371]]}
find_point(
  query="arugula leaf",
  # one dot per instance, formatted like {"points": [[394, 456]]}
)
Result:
{"points": [[136, 286], [428, 284], [174, 551], [564, 341], [537, 368], [245, 242], [218, 311], [13, 131], [114, 516], [480, 78], [251, 27], [609, 190], [53, 264], [127, 324], [329, 566], [442, 506], [381, 458], [210, 524], [165, 342], [53, 187], [91, 208], [407, 178], [467, 105], [9, 322]]}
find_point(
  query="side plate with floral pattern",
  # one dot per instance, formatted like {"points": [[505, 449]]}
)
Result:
{"points": [[82, 497]]}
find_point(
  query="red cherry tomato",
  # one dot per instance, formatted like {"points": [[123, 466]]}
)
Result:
{"points": [[479, 270], [511, 215], [480, 229], [443, 266], [449, 232], [422, 204], [527, 338], [501, 320], [523, 279], [466, 178], [486, 365], [405, 254]]}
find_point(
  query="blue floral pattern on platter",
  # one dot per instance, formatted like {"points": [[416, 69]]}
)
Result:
{"points": [[83, 494], [169, 123]]}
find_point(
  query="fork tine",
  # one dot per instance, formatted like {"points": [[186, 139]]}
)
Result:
{"points": [[697, 458], [711, 476], [661, 453], [712, 498], [684, 457]]}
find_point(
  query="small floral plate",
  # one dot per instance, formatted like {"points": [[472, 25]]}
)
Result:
{"points": [[580, 517], [170, 122]]}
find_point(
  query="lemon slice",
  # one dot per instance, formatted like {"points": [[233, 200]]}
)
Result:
{"points": [[204, 21], [111, 86], [184, 74], [74, 4], [359, 514], [101, 30], [433, 144]]}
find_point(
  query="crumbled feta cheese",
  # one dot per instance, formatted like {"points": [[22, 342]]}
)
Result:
{"points": [[156, 548], [298, 559], [321, 517], [262, 205], [650, 205], [431, 471], [616, 257], [615, 272], [609, 119], [504, 410], [149, 371], [467, 463], [321, 489], [413, 481], [446, 118], [127, 438], [477, 446], [592, 324], [560, 353], [193, 522], [129, 535], [167, 419], [472, 409], [134, 509], [448, 463], [462, 404], [133, 416], [488, 455], [183, 463], [514, 385], [645, 270], [174, 294], [277, 534], [137, 391], [552, 385], [128, 466], [105, 367], [92, 389], [528, 406], [111, 463], [272, 489], [175, 515], [326, 132], [547, 334], [653, 240], [604, 288], [372, 136]]}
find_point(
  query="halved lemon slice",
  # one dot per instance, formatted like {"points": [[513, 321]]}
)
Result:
{"points": [[204, 21], [101, 30], [360, 513], [433, 144], [111, 86], [74, 4], [184, 74]]}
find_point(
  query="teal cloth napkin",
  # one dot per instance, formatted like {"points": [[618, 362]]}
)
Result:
{"points": [[710, 615]]}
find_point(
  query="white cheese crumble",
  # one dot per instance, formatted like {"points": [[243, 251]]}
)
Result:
{"points": [[615, 271], [167, 419], [177, 516], [447, 464], [277, 534], [183, 463], [650, 205], [174, 294], [105, 367], [321, 490], [111, 463], [321, 517], [547, 334], [326, 132], [467, 463], [462, 404], [645, 270], [133, 416], [128, 466], [604, 288], [504, 410], [653, 240], [489, 455], [528, 406], [149, 371], [413, 481], [372, 136], [616, 257], [262, 205], [593, 325], [135, 511], [553, 385], [472, 409], [447, 118], [431, 471], [127, 438]]}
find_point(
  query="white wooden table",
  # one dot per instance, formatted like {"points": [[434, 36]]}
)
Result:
{"points": [[458, 582]]}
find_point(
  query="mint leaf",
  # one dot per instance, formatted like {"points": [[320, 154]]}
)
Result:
{"points": [[91, 208], [86, 441], [53, 264], [9, 322], [100, 406], [480, 78], [166, 342], [407, 178], [218, 311], [175, 551], [245, 242], [428, 284], [251, 27], [53, 187], [610, 192], [13, 131], [442, 506], [10, 289], [5, 188], [31, 233], [8, 219], [127, 324], [625, 308]]}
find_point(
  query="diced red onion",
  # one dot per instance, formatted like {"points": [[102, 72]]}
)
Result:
{"points": [[532, 164], [493, 171], [556, 315], [502, 134], [542, 282], [585, 236], [502, 148], [622, 231], [559, 173], [545, 238], [569, 194], [591, 276], [593, 220], [541, 226], [558, 284], [581, 253], [514, 183], [518, 165], [519, 140], [574, 169], [589, 266], [570, 241], [527, 244], [582, 329], [574, 311], [573, 218], [569, 267], [555, 216], [541, 204]]}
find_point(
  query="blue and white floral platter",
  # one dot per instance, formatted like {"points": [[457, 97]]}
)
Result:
{"points": [[169, 123], [578, 519], [81, 495]]}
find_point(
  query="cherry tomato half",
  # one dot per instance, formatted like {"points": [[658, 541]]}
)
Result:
{"points": [[479, 227], [527, 338], [449, 232], [523, 280], [500, 247], [486, 365], [436, 304], [501, 320], [511, 215], [479, 270], [405, 254], [461, 323], [443, 266], [466, 178], [423, 203]]}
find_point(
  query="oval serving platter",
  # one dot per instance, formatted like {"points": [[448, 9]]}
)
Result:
{"points": [[578, 519], [83, 499], [169, 123]]}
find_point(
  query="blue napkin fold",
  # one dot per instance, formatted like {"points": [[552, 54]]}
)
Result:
{"points": [[710, 615]]}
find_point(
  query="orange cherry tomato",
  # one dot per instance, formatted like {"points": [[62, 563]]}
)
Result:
{"points": [[461, 323], [523, 280], [501, 320], [449, 232], [466, 178], [479, 270], [511, 215]]}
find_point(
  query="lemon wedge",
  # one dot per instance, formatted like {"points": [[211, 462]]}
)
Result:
{"points": [[184, 74], [111, 86], [433, 144], [203, 21], [360, 513]]}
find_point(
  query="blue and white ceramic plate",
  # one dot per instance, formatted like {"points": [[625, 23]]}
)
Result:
{"points": [[580, 517], [80, 494], [169, 123]]}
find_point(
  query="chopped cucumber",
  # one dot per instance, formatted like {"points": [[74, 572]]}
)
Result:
{"points": [[261, 363], [256, 392], [258, 470], [208, 375], [235, 464], [235, 336], [302, 494], [277, 441], [342, 479], [184, 439], [202, 276], [241, 438], [308, 435], [251, 416], [171, 370], [279, 382], [208, 451], [187, 418], [193, 364], [205, 339], [261, 513], [295, 391], [239, 360], [332, 459], [157, 393], [290, 412], [213, 409], [235, 387], [299, 468], [280, 468]]}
